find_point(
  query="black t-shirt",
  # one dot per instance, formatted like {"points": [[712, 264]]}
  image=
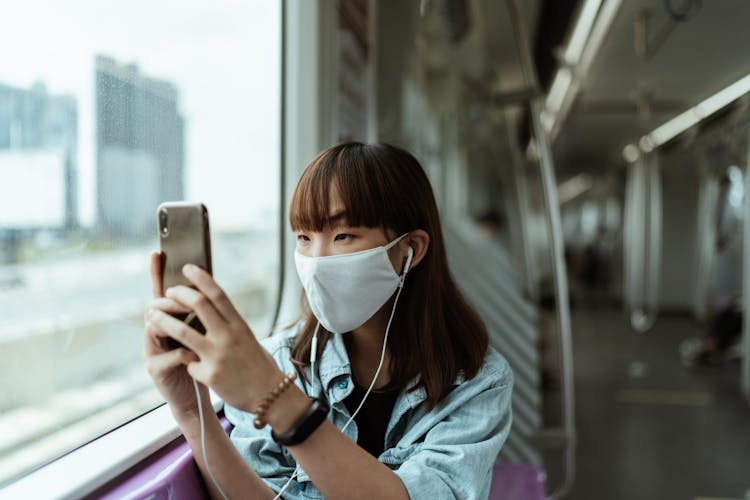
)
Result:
{"points": [[372, 419]]}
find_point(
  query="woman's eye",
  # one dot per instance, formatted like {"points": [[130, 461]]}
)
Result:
{"points": [[343, 236], [302, 237]]}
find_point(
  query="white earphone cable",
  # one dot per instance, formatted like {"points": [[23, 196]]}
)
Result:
{"points": [[203, 441], [314, 355], [385, 341], [313, 358]]}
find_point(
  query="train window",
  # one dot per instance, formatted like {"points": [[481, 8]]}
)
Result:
{"points": [[106, 109]]}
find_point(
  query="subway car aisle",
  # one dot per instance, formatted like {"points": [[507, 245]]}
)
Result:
{"points": [[649, 428]]}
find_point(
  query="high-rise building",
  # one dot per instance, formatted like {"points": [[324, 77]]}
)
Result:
{"points": [[139, 148], [34, 123]]}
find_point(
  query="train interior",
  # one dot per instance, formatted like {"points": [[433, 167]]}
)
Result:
{"points": [[590, 162]]}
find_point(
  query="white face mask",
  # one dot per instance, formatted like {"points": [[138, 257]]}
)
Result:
{"points": [[344, 291]]}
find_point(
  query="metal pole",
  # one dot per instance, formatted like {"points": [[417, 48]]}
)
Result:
{"points": [[282, 170], [554, 229], [653, 276], [524, 207], [745, 376], [705, 239]]}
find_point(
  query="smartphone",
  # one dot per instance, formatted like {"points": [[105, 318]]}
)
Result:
{"points": [[184, 237]]}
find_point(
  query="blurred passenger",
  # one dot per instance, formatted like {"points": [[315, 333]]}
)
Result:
{"points": [[591, 269], [429, 425], [490, 224], [722, 342]]}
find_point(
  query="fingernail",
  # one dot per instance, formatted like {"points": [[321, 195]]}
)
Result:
{"points": [[169, 291], [188, 268]]}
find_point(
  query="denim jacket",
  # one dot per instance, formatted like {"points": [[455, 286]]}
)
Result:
{"points": [[448, 452]]}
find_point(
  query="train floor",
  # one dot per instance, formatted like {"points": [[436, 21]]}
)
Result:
{"points": [[649, 428]]}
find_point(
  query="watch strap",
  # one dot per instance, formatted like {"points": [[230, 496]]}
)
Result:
{"points": [[305, 425]]}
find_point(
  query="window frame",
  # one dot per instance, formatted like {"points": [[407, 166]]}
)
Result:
{"points": [[85, 469]]}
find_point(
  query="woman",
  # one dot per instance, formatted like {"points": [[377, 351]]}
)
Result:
{"points": [[387, 338]]}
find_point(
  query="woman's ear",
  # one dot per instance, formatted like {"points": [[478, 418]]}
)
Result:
{"points": [[419, 241]]}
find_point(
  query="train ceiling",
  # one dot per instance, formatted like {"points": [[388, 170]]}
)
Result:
{"points": [[658, 58]]}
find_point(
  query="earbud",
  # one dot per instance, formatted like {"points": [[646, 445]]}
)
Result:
{"points": [[409, 257]]}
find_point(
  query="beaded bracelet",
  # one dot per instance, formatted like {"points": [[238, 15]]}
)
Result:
{"points": [[265, 403]]}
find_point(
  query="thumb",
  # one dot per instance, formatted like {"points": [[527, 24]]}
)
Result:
{"points": [[197, 370]]}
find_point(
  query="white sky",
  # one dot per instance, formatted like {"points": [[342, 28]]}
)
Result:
{"points": [[40, 177], [223, 56]]}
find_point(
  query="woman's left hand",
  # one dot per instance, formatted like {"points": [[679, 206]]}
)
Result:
{"points": [[231, 361]]}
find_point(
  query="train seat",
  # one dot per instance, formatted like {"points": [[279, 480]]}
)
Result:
{"points": [[172, 473], [169, 473], [517, 482]]}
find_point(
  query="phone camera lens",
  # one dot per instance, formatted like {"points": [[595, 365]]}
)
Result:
{"points": [[163, 227]]}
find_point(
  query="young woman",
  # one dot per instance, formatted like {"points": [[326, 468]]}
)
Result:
{"points": [[386, 338]]}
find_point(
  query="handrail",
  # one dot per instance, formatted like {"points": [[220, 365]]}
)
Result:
{"points": [[632, 258], [642, 242], [554, 230]]}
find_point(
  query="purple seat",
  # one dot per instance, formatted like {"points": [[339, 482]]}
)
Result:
{"points": [[170, 473], [517, 482]]}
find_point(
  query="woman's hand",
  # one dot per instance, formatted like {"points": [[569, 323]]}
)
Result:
{"points": [[228, 358], [165, 364]]}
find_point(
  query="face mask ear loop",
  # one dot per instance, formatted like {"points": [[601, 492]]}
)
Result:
{"points": [[385, 340]]}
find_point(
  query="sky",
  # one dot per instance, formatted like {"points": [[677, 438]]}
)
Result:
{"points": [[222, 55]]}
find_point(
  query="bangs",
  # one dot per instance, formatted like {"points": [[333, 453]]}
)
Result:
{"points": [[362, 185]]}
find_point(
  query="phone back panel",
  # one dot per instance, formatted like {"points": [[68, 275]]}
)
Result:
{"points": [[185, 240]]}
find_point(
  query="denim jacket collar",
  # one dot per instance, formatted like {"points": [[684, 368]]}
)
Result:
{"points": [[335, 368], [334, 364]]}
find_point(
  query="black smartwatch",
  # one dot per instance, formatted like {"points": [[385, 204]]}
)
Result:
{"points": [[305, 425]]}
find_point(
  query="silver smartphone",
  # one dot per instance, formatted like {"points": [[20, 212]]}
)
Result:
{"points": [[184, 237]]}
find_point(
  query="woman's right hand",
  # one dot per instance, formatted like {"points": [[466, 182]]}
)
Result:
{"points": [[167, 365]]}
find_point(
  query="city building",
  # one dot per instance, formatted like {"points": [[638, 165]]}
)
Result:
{"points": [[34, 125], [139, 148]]}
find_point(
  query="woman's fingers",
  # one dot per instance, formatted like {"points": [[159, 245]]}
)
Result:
{"points": [[156, 274], [167, 305], [193, 300], [155, 339], [212, 291], [198, 372], [161, 324], [161, 365]]}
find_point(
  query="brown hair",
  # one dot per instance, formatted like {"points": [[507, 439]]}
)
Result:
{"points": [[435, 333]]}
